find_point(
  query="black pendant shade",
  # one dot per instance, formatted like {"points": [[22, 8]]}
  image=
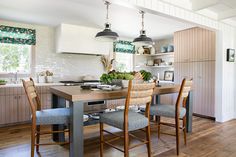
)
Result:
{"points": [[107, 34], [143, 39]]}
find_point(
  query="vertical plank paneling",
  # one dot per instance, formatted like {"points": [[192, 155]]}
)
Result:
{"points": [[195, 58]]}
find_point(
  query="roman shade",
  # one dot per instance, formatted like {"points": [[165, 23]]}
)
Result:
{"points": [[16, 35], [124, 47]]}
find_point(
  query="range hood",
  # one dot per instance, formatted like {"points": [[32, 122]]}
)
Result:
{"points": [[75, 39]]}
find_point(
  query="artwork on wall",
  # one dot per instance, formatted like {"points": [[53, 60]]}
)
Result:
{"points": [[169, 75], [230, 55]]}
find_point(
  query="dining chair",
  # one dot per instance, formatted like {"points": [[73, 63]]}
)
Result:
{"points": [[128, 120], [43, 117], [174, 111]]}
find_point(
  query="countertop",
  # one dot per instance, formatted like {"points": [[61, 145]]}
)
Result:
{"points": [[36, 84]]}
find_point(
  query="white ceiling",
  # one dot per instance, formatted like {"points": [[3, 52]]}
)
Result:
{"points": [[222, 10], [126, 21]]}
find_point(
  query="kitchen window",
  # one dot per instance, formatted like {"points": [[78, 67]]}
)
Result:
{"points": [[16, 45], [124, 62], [124, 51], [15, 58]]}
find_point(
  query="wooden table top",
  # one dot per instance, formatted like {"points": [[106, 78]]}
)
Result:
{"points": [[75, 93]]}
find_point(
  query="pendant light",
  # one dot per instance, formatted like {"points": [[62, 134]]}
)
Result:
{"points": [[107, 34], [143, 39]]}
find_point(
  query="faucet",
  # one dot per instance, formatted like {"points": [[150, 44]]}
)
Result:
{"points": [[16, 77]]}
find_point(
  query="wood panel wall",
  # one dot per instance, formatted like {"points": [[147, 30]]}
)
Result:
{"points": [[195, 58]]}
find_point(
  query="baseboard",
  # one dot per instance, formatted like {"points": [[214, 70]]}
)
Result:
{"points": [[204, 116]]}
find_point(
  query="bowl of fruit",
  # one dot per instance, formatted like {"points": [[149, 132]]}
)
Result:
{"points": [[3, 82]]}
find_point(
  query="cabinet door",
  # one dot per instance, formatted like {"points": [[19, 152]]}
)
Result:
{"points": [[24, 112], [2, 109], [181, 52], [203, 88], [11, 109]]}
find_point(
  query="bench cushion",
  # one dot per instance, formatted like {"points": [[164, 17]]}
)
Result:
{"points": [[53, 116], [116, 119], [166, 110]]}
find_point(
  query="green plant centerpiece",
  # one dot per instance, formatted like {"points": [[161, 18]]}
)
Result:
{"points": [[117, 78], [122, 78]]}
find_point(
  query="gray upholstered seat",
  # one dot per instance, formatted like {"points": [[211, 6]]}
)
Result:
{"points": [[135, 120], [166, 110], [53, 116]]}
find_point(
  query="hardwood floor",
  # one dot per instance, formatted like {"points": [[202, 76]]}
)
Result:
{"points": [[208, 139]]}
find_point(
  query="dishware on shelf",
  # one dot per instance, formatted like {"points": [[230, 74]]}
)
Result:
{"points": [[150, 62], [140, 50], [170, 48], [152, 50], [163, 49]]}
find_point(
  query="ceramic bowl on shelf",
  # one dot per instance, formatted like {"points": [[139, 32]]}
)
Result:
{"points": [[163, 49], [170, 48]]}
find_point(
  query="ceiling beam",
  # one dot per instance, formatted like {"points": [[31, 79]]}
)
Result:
{"points": [[227, 14], [202, 4]]}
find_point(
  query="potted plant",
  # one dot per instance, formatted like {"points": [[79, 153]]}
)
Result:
{"points": [[146, 75], [49, 77], [41, 77]]}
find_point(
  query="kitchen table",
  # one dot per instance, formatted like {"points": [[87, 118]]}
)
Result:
{"points": [[77, 97]]}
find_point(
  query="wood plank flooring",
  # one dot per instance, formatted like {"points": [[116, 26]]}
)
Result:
{"points": [[208, 139]]}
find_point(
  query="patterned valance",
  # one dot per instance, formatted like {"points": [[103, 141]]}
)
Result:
{"points": [[16, 35], [124, 46]]}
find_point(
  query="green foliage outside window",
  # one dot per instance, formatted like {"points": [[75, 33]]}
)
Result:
{"points": [[14, 58]]}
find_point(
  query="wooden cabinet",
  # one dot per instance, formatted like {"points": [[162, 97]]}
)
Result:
{"points": [[194, 44], [14, 105], [195, 58]]}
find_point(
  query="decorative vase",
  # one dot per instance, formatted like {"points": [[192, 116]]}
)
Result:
{"points": [[49, 79], [140, 50], [41, 79], [152, 50], [125, 83]]}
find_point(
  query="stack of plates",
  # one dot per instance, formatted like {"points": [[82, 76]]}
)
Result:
{"points": [[86, 117]]}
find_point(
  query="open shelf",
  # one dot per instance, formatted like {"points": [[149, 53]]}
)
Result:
{"points": [[149, 66], [157, 54]]}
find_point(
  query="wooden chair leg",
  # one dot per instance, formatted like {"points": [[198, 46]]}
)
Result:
{"points": [[177, 134], [37, 138], [33, 129], [184, 130], [148, 137], [126, 143], [159, 126], [101, 140]]}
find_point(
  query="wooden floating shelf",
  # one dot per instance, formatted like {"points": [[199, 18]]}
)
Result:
{"points": [[157, 54], [162, 66]]}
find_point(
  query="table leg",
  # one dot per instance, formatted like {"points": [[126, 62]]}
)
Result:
{"points": [[189, 112], [76, 129], [158, 99], [58, 102]]}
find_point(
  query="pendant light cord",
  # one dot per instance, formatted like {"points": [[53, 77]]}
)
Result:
{"points": [[107, 15], [142, 12]]}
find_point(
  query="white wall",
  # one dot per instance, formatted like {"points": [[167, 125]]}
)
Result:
{"points": [[64, 66], [225, 82]]}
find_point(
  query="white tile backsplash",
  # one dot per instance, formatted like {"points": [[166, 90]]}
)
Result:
{"points": [[64, 66]]}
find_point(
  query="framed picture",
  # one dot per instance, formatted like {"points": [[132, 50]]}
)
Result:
{"points": [[230, 55], [169, 75]]}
